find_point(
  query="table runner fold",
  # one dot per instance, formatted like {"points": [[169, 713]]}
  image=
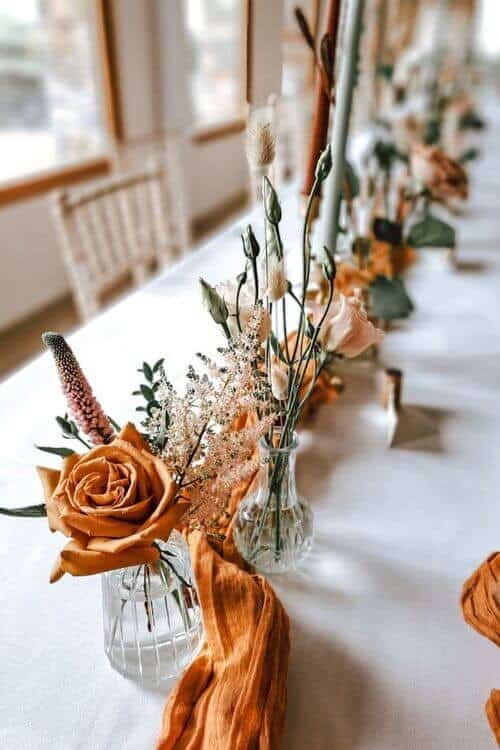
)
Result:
{"points": [[233, 695]]}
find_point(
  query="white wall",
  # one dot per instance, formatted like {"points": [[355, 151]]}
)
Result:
{"points": [[150, 56], [31, 272]]}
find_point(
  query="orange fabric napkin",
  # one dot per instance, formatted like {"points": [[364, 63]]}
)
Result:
{"points": [[481, 599], [493, 713], [481, 609], [233, 695]]}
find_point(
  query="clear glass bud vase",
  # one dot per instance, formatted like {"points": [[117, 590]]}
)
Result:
{"points": [[152, 618], [274, 526]]}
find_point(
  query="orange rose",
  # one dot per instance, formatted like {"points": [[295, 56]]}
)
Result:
{"points": [[390, 261], [112, 502], [349, 279], [445, 178]]}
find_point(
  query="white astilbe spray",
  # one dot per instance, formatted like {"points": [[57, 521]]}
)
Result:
{"points": [[194, 432]]}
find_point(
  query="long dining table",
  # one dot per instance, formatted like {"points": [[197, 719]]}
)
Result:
{"points": [[380, 656]]}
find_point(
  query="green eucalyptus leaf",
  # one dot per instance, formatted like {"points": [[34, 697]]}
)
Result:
{"points": [[148, 372], [64, 424], [431, 232], [115, 424], [148, 393], [389, 299], [469, 155], [64, 452], [432, 133], [29, 511], [471, 121], [385, 70], [385, 153], [388, 231], [158, 364]]}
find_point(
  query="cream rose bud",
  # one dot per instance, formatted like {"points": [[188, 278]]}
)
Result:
{"points": [[279, 381], [346, 329], [277, 284]]}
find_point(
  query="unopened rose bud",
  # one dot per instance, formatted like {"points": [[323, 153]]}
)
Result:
{"points": [[251, 247]]}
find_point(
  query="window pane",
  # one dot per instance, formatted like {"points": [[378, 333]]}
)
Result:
{"points": [[215, 36], [49, 110]]}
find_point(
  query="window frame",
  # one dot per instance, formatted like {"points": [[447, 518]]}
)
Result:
{"points": [[85, 169], [235, 124]]}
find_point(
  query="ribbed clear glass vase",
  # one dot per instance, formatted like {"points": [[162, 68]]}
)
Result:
{"points": [[152, 619], [273, 529]]}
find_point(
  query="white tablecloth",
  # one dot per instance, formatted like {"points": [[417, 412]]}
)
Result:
{"points": [[381, 659]]}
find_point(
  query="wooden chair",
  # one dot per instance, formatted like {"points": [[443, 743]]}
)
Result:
{"points": [[118, 230]]}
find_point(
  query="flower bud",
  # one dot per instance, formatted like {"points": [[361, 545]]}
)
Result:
{"points": [[324, 164], [251, 247], [214, 303], [271, 203]]}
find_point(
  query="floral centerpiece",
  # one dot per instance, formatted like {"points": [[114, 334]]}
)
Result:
{"points": [[121, 499], [273, 528]]}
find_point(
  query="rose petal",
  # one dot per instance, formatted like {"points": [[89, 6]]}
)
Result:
{"points": [[99, 526], [160, 529], [80, 561], [50, 479]]}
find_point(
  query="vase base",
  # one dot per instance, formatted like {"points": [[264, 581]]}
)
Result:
{"points": [[156, 665]]}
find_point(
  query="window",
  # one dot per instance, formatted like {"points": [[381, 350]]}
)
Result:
{"points": [[215, 33], [50, 109]]}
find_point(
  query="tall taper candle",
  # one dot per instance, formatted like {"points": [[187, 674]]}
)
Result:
{"points": [[330, 204]]}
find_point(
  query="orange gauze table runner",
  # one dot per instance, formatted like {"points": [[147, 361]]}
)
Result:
{"points": [[481, 609], [233, 695]]}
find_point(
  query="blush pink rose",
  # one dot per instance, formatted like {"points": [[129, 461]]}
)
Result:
{"points": [[346, 329]]}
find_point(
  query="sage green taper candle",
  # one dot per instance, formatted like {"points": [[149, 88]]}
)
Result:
{"points": [[330, 205]]}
